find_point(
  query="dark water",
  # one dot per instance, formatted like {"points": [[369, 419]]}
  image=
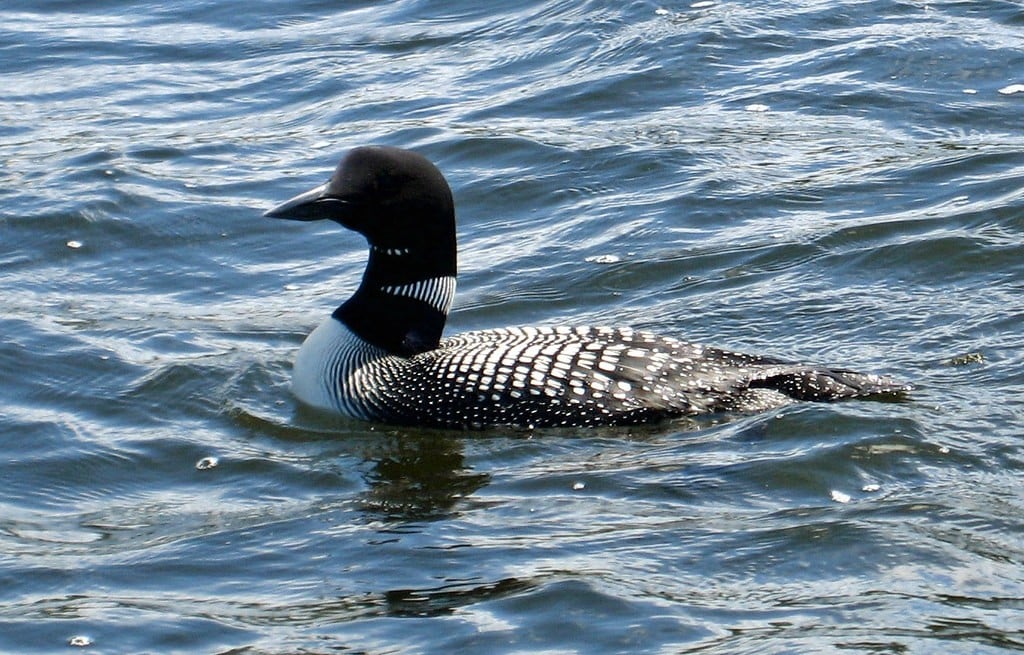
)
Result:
{"points": [[840, 182]]}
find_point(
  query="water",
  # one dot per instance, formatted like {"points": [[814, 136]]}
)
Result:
{"points": [[839, 182]]}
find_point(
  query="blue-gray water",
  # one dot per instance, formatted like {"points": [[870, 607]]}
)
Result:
{"points": [[838, 182]]}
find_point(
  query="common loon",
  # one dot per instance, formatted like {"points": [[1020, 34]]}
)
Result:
{"points": [[380, 355]]}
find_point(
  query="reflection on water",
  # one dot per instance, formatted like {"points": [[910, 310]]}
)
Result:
{"points": [[419, 478]]}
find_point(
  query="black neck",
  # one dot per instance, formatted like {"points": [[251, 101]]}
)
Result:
{"points": [[386, 311]]}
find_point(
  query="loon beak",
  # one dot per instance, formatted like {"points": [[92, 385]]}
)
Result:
{"points": [[312, 205]]}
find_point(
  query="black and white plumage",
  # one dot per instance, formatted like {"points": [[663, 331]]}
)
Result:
{"points": [[380, 356]]}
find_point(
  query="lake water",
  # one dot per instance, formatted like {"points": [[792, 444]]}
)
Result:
{"points": [[837, 182]]}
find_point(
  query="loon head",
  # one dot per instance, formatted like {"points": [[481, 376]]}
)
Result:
{"points": [[396, 198], [402, 204]]}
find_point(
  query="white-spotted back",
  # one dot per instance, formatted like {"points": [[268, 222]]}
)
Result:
{"points": [[553, 377]]}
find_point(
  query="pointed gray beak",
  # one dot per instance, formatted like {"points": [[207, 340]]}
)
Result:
{"points": [[310, 205]]}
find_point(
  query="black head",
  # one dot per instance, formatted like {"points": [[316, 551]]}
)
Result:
{"points": [[401, 203], [395, 198]]}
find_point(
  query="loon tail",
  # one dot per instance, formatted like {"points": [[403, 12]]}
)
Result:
{"points": [[823, 384]]}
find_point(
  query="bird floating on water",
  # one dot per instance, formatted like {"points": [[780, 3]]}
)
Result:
{"points": [[381, 356]]}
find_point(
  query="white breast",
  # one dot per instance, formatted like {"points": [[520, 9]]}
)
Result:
{"points": [[328, 368]]}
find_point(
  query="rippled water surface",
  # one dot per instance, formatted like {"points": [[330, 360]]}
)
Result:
{"points": [[838, 182]]}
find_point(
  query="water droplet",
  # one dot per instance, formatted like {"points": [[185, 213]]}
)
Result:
{"points": [[603, 259], [839, 496], [74, 244], [578, 486], [207, 463], [80, 641]]}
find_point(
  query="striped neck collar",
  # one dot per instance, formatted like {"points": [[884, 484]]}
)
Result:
{"points": [[404, 298]]}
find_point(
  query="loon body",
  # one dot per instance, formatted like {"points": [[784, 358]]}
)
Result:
{"points": [[380, 355]]}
